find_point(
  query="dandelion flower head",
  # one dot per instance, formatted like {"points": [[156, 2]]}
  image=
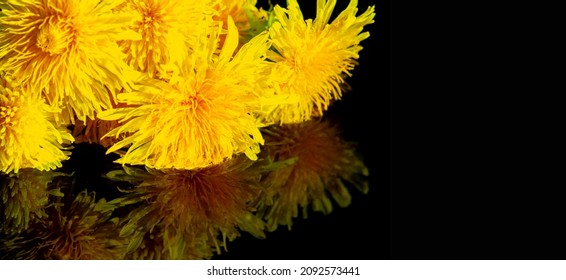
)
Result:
{"points": [[313, 56], [29, 135], [168, 29], [66, 50], [202, 115]]}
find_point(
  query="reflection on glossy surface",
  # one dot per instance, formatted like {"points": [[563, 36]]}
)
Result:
{"points": [[190, 212], [25, 197], [180, 214], [323, 164], [72, 230]]}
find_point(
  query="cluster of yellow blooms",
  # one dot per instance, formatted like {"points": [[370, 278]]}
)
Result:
{"points": [[213, 106]]}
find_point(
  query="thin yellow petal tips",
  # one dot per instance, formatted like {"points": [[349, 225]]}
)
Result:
{"points": [[168, 29], [92, 131], [236, 9], [202, 114], [325, 165], [29, 135], [66, 50], [313, 57]]}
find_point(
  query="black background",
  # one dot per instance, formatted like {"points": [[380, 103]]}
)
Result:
{"points": [[476, 161]]}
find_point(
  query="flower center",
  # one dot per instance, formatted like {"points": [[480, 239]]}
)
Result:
{"points": [[148, 21], [53, 37], [151, 20], [191, 102], [7, 114]]}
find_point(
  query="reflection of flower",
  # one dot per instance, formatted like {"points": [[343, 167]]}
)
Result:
{"points": [[29, 137], [25, 195], [188, 210], [83, 230], [67, 50], [314, 56], [201, 116], [325, 165], [153, 247], [168, 29]]}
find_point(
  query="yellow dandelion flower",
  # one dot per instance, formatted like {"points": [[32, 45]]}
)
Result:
{"points": [[190, 209], [66, 50], [313, 56], [25, 196], [81, 230], [236, 9], [202, 115], [244, 13], [168, 29], [325, 165], [29, 136]]}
